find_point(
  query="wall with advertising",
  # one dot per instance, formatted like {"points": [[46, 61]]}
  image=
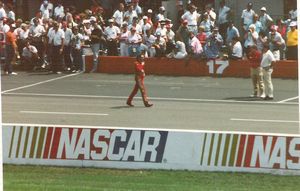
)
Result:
{"points": [[108, 147]]}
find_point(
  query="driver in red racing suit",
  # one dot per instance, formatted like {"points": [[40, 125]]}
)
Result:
{"points": [[139, 82]]}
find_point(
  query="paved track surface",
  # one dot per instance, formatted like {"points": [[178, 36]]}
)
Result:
{"points": [[193, 103]]}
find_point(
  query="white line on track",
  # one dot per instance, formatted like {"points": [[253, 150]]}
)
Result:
{"points": [[290, 99], [263, 120], [42, 82], [63, 113], [152, 98]]}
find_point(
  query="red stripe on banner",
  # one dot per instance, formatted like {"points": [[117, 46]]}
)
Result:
{"points": [[48, 142], [55, 143], [241, 151], [249, 150]]}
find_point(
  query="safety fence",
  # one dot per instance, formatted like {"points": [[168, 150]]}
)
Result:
{"points": [[173, 67]]}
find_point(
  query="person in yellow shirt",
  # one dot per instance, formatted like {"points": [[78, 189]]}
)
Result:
{"points": [[292, 42]]}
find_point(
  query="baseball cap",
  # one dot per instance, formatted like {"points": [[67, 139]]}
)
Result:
{"points": [[293, 24], [263, 9]]}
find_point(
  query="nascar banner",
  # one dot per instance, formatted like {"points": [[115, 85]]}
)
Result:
{"points": [[150, 149]]}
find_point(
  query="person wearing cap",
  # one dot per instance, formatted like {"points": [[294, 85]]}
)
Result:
{"points": [[207, 24], [11, 50], [139, 82], [213, 44], [118, 15], [96, 42], [292, 42], [265, 19], [247, 17], [67, 46], [161, 13], [47, 9], [276, 42], [129, 14], [223, 16], [159, 45], [149, 15], [182, 34], [123, 40], [134, 42], [145, 25], [251, 37], [267, 62], [112, 33], [192, 17], [161, 28]]}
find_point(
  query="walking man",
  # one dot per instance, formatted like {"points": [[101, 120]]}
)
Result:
{"points": [[139, 82]]}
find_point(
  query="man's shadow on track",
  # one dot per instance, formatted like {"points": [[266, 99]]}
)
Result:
{"points": [[244, 98]]}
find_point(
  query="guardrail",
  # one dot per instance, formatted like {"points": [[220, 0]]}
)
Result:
{"points": [[174, 67]]}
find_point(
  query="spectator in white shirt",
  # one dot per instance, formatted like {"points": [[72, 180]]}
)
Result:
{"points": [[11, 14], [134, 41], [57, 37], [118, 15], [247, 17], [29, 56], [129, 14], [192, 18], [267, 63], [223, 15], [180, 51], [170, 39], [2, 11], [112, 33], [161, 15], [137, 8], [159, 45], [36, 33], [212, 15], [251, 37], [265, 19], [59, 10], [123, 40], [237, 49], [148, 41], [67, 46]]}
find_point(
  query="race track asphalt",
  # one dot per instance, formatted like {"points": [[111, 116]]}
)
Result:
{"points": [[188, 103]]}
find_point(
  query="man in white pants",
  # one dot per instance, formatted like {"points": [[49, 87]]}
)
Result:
{"points": [[267, 63]]}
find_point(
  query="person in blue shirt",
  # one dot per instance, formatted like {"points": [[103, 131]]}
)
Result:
{"points": [[232, 32], [213, 44]]}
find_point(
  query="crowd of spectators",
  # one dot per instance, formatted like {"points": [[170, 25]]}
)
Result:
{"points": [[60, 35]]}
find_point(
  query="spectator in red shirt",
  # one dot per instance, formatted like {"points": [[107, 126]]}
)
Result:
{"points": [[139, 82], [254, 57]]}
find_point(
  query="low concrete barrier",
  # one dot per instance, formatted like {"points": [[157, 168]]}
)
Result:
{"points": [[173, 67], [133, 148]]}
